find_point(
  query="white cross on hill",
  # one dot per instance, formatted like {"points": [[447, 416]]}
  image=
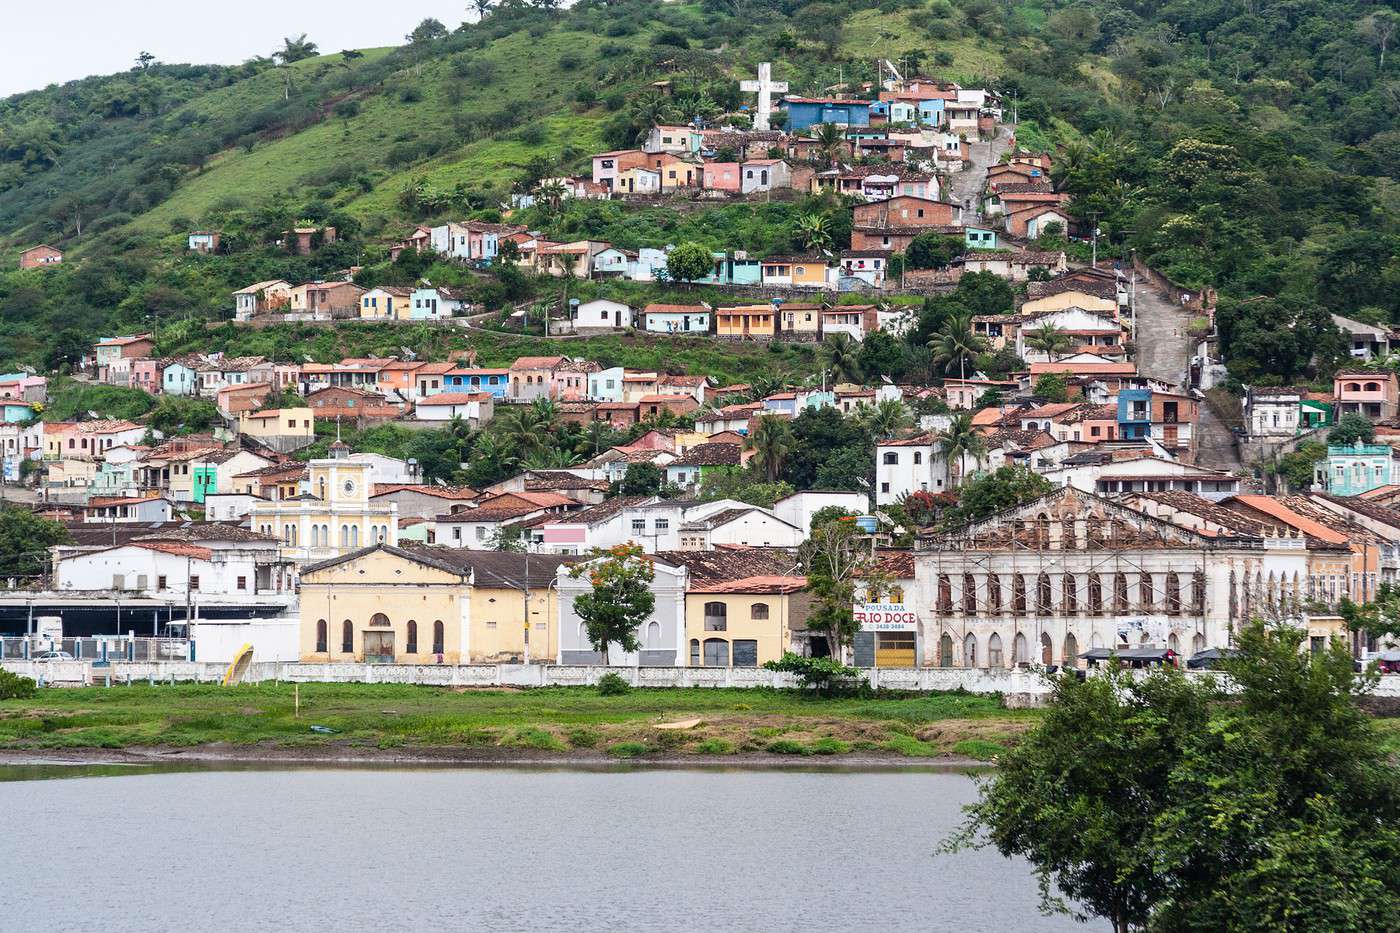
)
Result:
{"points": [[765, 86]]}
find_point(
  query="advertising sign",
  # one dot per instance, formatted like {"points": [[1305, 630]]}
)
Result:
{"points": [[886, 617]]}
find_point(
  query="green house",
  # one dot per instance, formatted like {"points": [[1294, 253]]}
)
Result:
{"points": [[204, 481], [980, 238], [1313, 414]]}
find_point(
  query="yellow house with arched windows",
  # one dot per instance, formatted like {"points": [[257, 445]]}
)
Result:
{"points": [[429, 605]]}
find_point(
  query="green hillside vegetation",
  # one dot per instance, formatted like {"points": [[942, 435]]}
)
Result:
{"points": [[1252, 149]]}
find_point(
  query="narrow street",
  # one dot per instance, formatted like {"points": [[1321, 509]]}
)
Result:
{"points": [[967, 185], [1164, 352]]}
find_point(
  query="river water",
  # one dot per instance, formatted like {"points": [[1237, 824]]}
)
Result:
{"points": [[472, 849]]}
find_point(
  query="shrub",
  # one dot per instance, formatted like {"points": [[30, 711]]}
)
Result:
{"points": [[788, 747], [583, 738], [825, 675], [16, 687], [828, 745], [715, 747], [613, 684], [982, 749], [627, 749]]}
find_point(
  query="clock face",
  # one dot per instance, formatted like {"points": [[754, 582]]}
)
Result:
{"points": [[349, 485]]}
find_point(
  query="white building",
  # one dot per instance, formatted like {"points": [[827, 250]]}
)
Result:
{"points": [[798, 508], [676, 319], [175, 570], [1274, 413], [333, 518], [661, 635], [606, 385], [475, 408], [229, 506], [151, 507], [602, 314], [910, 465], [741, 526]]}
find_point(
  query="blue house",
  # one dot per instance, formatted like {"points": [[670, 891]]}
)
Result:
{"points": [[495, 381], [179, 379], [931, 111], [804, 112], [1134, 414], [980, 238], [1352, 470]]}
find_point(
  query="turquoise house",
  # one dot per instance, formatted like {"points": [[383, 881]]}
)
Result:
{"points": [[980, 238], [16, 412], [731, 270], [204, 481], [1359, 468]]}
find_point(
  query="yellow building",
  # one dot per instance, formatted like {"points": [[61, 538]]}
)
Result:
{"points": [[429, 605], [802, 319], [334, 517], [1070, 299], [270, 426], [746, 321], [744, 623]]}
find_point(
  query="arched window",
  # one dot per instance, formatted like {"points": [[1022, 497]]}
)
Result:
{"points": [[379, 619], [1042, 595], [995, 657], [1198, 643], [969, 594], [993, 594], [344, 535], [1019, 649], [412, 638], [1198, 591], [1047, 650], [945, 650], [1173, 643], [1069, 535], [695, 652], [1145, 592], [1095, 595], [354, 535], [716, 652], [1018, 596], [945, 595], [1069, 595], [970, 650], [1070, 658], [653, 642], [1173, 595], [315, 535], [1373, 387], [1120, 593], [438, 632], [758, 612], [716, 617], [347, 637], [321, 638]]}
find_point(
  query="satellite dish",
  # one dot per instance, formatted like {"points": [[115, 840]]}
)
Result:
{"points": [[408, 354]]}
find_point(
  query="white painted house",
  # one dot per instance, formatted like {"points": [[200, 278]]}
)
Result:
{"points": [[175, 569], [475, 408], [602, 314], [907, 466], [798, 508]]}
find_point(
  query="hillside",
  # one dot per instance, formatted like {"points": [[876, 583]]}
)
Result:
{"points": [[1248, 148]]}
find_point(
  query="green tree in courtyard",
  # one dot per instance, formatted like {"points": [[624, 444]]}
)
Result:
{"points": [[621, 597], [1005, 488], [1051, 387]]}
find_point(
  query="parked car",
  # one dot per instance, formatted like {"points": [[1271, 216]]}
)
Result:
{"points": [[53, 656]]}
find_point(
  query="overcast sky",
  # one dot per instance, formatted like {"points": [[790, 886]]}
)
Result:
{"points": [[50, 42]]}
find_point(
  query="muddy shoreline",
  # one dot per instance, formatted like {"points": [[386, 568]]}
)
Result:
{"points": [[458, 756]]}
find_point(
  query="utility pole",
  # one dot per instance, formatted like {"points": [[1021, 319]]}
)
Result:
{"points": [[1094, 218]]}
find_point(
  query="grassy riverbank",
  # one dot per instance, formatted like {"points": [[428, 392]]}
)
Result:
{"points": [[261, 721]]}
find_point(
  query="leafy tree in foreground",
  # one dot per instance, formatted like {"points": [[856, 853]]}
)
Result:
{"points": [[836, 559], [688, 262], [1166, 805], [1350, 429], [621, 598]]}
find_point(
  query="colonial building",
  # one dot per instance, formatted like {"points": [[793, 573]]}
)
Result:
{"points": [[1072, 571]]}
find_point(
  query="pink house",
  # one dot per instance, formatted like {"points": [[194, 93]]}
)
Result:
{"points": [[720, 176], [146, 375], [1364, 392]]}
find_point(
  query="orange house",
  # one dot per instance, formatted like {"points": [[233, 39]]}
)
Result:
{"points": [[746, 321]]}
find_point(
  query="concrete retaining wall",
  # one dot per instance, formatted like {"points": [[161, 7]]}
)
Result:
{"points": [[1021, 688]]}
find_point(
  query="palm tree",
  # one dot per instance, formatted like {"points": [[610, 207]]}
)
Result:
{"points": [[830, 138], [770, 439], [294, 50], [960, 440], [888, 418], [545, 411], [597, 437], [521, 434], [843, 358], [551, 194], [955, 345], [646, 111], [552, 458], [814, 230], [1050, 340]]}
